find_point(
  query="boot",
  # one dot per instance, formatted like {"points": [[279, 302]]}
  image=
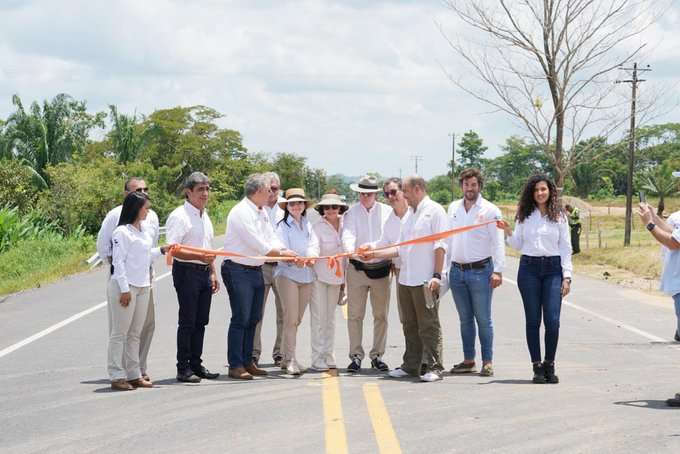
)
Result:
{"points": [[539, 373], [550, 376]]}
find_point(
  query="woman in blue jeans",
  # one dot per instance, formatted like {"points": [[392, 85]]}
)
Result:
{"points": [[544, 278]]}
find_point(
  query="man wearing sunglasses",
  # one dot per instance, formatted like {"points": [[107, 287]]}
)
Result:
{"points": [[105, 251], [363, 224]]}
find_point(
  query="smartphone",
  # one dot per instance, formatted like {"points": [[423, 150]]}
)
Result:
{"points": [[643, 197]]}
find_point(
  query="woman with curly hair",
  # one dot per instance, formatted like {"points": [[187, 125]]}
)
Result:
{"points": [[544, 278]]}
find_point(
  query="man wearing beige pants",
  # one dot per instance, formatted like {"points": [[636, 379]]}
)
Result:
{"points": [[363, 224]]}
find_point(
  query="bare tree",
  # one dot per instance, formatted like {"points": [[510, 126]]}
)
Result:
{"points": [[550, 64]]}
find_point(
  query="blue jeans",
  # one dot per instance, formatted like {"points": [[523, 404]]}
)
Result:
{"points": [[245, 287], [472, 294], [676, 301], [540, 283]]}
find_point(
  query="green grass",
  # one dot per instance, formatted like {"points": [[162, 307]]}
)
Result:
{"points": [[35, 262]]}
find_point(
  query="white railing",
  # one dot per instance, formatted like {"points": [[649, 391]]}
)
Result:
{"points": [[94, 261]]}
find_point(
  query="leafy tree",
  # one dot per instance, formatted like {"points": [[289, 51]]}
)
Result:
{"points": [[660, 182], [291, 170], [339, 183], [471, 150], [440, 189], [127, 136], [315, 182], [512, 169], [18, 189]]}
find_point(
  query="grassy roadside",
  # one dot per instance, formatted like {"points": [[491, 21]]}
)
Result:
{"points": [[36, 262]]}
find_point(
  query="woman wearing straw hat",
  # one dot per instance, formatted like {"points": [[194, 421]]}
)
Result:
{"points": [[295, 281], [327, 287]]}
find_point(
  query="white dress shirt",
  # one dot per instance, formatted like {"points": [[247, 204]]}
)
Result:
{"points": [[480, 243], [417, 261], [275, 214], [187, 226], [330, 243], [538, 236], [104, 244], [362, 226], [132, 256], [249, 232], [392, 232], [301, 239]]}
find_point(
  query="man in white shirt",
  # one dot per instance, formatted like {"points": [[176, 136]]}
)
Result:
{"points": [[363, 224], [275, 214], [105, 251], [477, 260], [193, 275], [420, 278], [249, 233]]}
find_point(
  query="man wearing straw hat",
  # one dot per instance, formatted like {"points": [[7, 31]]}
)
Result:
{"points": [[363, 224], [249, 233]]}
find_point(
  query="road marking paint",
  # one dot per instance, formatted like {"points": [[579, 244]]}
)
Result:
{"points": [[61, 324], [625, 326], [380, 418], [344, 311], [336, 438]]}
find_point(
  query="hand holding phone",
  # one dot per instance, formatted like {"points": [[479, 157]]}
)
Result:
{"points": [[643, 197]]}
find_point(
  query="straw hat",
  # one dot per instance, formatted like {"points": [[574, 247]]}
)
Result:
{"points": [[367, 183], [331, 199], [293, 194]]}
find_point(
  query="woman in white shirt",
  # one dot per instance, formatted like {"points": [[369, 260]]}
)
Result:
{"points": [[544, 278], [131, 279], [295, 280], [328, 286]]}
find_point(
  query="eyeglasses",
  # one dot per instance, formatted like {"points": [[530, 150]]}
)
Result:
{"points": [[296, 202], [274, 189], [390, 193], [145, 190]]}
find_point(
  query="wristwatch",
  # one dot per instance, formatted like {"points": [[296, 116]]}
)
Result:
{"points": [[437, 276], [651, 226]]}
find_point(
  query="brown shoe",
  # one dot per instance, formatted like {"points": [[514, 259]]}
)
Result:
{"points": [[121, 385], [252, 369], [141, 383], [239, 373], [146, 377]]}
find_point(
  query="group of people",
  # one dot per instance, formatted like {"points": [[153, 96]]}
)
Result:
{"points": [[278, 247]]}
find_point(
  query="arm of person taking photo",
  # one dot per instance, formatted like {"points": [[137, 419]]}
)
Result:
{"points": [[669, 239], [659, 221]]}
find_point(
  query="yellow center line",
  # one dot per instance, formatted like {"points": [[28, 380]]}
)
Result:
{"points": [[380, 418], [336, 439], [344, 311]]}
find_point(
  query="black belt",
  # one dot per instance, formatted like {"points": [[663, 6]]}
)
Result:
{"points": [[472, 265], [196, 266], [248, 267]]}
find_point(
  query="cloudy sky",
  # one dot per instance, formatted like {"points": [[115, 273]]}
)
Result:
{"points": [[353, 85]]}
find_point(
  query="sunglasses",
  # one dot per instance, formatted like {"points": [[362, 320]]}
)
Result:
{"points": [[145, 190], [274, 189], [390, 193]]}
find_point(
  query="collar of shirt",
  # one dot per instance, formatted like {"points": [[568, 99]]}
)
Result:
{"points": [[192, 210]]}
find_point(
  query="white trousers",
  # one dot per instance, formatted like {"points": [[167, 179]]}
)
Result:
{"points": [[322, 309], [126, 327]]}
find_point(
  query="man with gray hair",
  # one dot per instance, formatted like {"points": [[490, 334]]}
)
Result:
{"points": [[275, 214], [193, 275], [249, 233]]}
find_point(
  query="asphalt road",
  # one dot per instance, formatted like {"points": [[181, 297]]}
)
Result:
{"points": [[616, 363]]}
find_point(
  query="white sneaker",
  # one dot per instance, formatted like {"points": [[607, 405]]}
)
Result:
{"points": [[430, 377], [398, 373], [294, 368], [319, 367]]}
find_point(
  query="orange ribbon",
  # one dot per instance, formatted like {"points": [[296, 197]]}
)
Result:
{"points": [[333, 260]]}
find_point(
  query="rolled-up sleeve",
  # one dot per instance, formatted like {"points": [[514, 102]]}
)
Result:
{"points": [[440, 223]]}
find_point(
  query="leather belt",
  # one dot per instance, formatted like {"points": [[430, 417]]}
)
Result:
{"points": [[248, 267], [196, 266], [473, 265]]}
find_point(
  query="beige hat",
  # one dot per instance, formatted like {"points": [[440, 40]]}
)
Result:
{"points": [[367, 183], [331, 199], [293, 194]]}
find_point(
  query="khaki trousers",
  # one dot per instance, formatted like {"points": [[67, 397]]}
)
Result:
{"points": [[422, 331], [322, 322], [295, 298], [358, 287], [149, 324], [269, 284], [126, 328]]}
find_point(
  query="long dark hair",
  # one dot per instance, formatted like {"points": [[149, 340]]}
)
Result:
{"points": [[132, 205], [527, 204]]}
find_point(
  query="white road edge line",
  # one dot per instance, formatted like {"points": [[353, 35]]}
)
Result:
{"points": [[625, 326], [61, 324]]}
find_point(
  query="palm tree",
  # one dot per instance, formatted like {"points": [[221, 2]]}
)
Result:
{"points": [[660, 182], [128, 136]]}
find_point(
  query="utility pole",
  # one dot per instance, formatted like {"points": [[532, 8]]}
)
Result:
{"points": [[453, 163], [416, 159], [634, 81]]}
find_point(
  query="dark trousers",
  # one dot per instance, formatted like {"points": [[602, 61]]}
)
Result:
{"points": [[540, 283], [422, 331], [245, 287], [575, 238], [194, 293]]}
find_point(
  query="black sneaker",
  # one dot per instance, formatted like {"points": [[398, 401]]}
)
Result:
{"points": [[256, 361], [187, 376], [376, 363], [205, 373], [277, 360], [355, 365], [677, 336], [539, 373], [550, 376]]}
